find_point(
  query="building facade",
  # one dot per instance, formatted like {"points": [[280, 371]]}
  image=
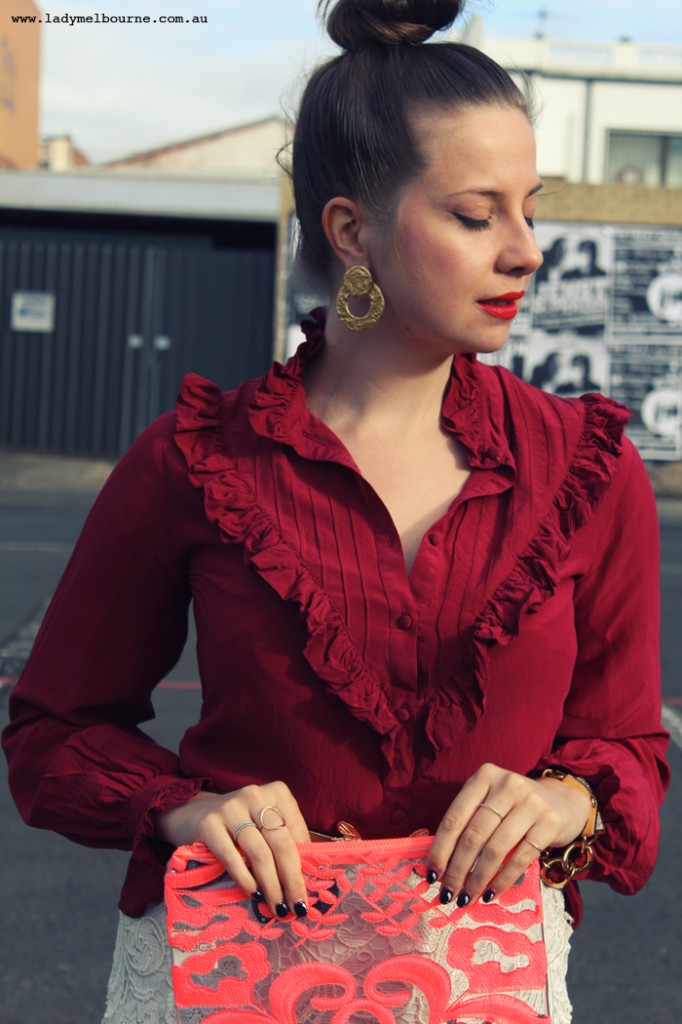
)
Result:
{"points": [[19, 75], [244, 151], [112, 287], [605, 112]]}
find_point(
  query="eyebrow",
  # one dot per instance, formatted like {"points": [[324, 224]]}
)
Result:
{"points": [[492, 193]]}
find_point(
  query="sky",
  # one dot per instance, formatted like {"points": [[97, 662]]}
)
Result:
{"points": [[122, 88]]}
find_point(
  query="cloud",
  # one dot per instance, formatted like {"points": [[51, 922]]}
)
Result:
{"points": [[120, 88], [117, 89]]}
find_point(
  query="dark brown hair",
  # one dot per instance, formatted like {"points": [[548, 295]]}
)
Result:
{"points": [[353, 135]]}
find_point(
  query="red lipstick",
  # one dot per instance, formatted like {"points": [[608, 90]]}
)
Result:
{"points": [[504, 307]]}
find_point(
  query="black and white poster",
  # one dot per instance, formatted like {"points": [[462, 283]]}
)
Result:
{"points": [[570, 291], [648, 379], [564, 364], [645, 337], [647, 283], [559, 346], [605, 314]]}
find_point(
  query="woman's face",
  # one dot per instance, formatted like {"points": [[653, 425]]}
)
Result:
{"points": [[461, 251]]}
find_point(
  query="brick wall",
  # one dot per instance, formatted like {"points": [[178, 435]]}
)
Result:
{"points": [[19, 76], [609, 204]]}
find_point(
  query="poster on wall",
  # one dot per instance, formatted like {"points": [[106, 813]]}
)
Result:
{"points": [[561, 364], [647, 283], [605, 314], [570, 292], [647, 378], [566, 364], [557, 343]]}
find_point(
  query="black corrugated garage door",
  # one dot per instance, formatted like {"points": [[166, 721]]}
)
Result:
{"points": [[131, 312]]}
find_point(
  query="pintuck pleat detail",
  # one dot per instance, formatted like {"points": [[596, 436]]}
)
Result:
{"points": [[204, 435], [229, 502], [535, 575]]}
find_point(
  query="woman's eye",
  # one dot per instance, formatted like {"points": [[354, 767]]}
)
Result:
{"points": [[530, 222], [471, 223]]}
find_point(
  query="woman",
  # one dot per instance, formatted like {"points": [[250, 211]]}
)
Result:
{"points": [[417, 581]]}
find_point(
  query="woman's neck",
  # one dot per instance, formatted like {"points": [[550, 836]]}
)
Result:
{"points": [[371, 381]]}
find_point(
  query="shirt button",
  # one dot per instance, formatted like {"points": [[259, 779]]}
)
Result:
{"points": [[398, 816], [404, 621], [403, 715]]}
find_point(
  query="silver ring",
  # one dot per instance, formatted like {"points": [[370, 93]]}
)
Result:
{"points": [[244, 824], [534, 845], [272, 828], [489, 808]]}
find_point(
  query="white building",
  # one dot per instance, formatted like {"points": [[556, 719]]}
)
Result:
{"points": [[606, 112], [246, 151]]}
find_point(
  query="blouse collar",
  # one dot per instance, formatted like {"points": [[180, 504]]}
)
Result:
{"points": [[471, 411]]}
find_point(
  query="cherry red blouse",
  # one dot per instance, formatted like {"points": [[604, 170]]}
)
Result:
{"points": [[526, 633]]}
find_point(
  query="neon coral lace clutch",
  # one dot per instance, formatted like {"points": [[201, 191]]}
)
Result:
{"points": [[377, 946]]}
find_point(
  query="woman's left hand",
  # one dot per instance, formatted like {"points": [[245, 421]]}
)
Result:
{"points": [[496, 827]]}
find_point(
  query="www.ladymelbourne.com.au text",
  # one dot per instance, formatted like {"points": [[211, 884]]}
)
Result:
{"points": [[106, 19]]}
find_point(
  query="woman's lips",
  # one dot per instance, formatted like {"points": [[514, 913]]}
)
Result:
{"points": [[504, 307]]}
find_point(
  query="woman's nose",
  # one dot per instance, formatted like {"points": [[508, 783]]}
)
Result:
{"points": [[521, 253]]}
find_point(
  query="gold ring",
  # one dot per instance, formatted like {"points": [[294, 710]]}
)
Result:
{"points": [[272, 828], [489, 808], [534, 845]]}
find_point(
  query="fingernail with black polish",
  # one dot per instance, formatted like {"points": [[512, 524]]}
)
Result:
{"points": [[431, 876], [446, 895], [488, 896], [463, 899], [301, 908], [281, 910], [258, 896]]}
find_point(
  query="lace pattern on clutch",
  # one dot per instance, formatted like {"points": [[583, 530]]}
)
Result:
{"points": [[377, 946]]}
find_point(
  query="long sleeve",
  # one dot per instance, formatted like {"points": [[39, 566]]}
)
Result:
{"points": [[79, 763], [611, 729]]}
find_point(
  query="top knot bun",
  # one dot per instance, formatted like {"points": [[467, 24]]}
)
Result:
{"points": [[361, 24]]}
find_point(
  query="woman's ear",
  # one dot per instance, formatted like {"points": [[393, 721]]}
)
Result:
{"points": [[343, 224]]}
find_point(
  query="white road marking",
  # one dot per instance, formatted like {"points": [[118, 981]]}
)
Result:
{"points": [[672, 720], [34, 545]]}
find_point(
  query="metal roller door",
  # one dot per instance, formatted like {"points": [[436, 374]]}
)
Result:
{"points": [[124, 317]]}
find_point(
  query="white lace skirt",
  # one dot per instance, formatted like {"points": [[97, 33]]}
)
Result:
{"points": [[140, 988]]}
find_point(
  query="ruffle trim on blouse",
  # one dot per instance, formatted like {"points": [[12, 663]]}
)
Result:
{"points": [[279, 403], [230, 503], [463, 418], [535, 576]]}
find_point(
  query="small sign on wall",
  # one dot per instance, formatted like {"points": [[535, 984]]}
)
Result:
{"points": [[33, 311]]}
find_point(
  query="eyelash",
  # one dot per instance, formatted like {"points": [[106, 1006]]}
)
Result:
{"points": [[480, 225], [471, 224]]}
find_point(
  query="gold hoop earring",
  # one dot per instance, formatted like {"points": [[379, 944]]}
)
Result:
{"points": [[358, 281]]}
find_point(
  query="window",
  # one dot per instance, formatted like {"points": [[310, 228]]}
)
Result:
{"points": [[642, 158]]}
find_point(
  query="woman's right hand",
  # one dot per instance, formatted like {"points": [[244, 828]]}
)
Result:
{"points": [[275, 866]]}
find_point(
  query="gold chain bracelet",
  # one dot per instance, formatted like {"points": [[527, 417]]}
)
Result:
{"points": [[558, 866]]}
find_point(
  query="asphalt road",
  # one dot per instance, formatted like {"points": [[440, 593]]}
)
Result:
{"points": [[59, 899]]}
